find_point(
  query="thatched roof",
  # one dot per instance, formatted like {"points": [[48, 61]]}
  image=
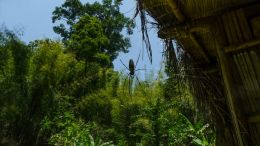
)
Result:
{"points": [[190, 9], [190, 22], [221, 39]]}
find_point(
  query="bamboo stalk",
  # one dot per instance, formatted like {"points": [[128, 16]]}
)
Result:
{"points": [[233, 33], [230, 93], [177, 12], [249, 45], [171, 31], [248, 81], [226, 28], [254, 57], [252, 75], [254, 119], [236, 26], [243, 23], [245, 95]]}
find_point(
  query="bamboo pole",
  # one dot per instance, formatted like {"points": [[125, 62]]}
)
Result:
{"points": [[171, 31], [254, 119], [243, 47], [230, 93], [177, 12]]}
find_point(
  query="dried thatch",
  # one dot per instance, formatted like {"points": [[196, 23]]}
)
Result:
{"points": [[220, 58]]}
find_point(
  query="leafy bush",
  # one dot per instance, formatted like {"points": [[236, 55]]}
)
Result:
{"points": [[184, 132], [96, 107], [75, 132]]}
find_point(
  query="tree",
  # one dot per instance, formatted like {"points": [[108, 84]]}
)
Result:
{"points": [[14, 67], [112, 22], [87, 41]]}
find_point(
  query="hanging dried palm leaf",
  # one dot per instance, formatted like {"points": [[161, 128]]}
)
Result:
{"points": [[140, 10]]}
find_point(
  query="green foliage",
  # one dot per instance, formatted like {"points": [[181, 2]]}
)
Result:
{"points": [[87, 41], [96, 107], [113, 22], [34, 79], [13, 83], [186, 133], [56, 94], [74, 132]]}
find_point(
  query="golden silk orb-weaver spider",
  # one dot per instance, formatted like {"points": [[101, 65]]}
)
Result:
{"points": [[131, 75]]}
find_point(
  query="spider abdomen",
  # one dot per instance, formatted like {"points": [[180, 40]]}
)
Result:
{"points": [[131, 67]]}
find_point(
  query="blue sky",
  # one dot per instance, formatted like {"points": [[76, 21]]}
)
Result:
{"points": [[33, 18]]}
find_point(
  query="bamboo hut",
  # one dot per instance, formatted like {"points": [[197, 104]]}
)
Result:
{"points": [[220, 41]]}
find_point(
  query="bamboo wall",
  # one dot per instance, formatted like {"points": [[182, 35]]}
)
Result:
{"points": [[242, 51], [225, 35]]}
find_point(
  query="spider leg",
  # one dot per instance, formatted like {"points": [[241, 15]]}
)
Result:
{"points": [[140, 84], [124, 85], [138, 80], [137, 59], [129, 84], [140, 69], [124, 64]]}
